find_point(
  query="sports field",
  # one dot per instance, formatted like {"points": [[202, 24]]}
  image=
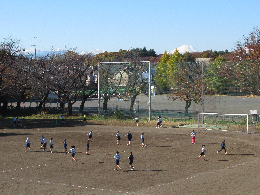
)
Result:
{"points": [[167, 165]]}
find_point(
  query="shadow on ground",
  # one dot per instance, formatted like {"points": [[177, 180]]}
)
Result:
{"points": [[43, 123]]}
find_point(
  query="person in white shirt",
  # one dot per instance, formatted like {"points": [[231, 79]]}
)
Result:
{"points": [[136, 121], [28, 144], [44, 143], [193, 135], [90, 135], [202, 153], [159, 123], [73, 152]]}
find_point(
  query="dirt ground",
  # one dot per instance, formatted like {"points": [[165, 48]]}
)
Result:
{"points": [[167, 165]]}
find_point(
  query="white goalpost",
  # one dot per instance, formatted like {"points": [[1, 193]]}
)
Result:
{"points": [[217, 117]]}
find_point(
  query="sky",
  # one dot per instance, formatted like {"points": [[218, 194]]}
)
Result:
{"points": [[106, 25]]}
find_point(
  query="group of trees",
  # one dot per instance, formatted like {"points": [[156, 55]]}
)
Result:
{"points": [[178, 75], [182, 78], [22, 77]]}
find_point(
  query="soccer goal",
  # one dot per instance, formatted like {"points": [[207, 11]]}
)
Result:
{"points": [[119, 84], [210, 121]]}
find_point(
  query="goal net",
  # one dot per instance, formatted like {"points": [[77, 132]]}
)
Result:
{"points": [[216, 121], [120, 86]]}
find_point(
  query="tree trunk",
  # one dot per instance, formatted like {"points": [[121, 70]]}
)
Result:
{"points": [[188, 103], [43, 100], [4, 108], [132, 102], [62, 105], [105, 101], [18, 105], [82, 104], [69, 108]]}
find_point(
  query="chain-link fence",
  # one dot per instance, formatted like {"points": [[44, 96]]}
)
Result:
{"points": [[218, 87]]}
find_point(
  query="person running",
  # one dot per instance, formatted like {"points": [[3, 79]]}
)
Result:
{"points": [[28, 144], [42, 140], [223, 147], [136, 121], [129, 138], [90, 135], [202, 153], [65, 145], [131, 160], [117, 157], [73, 152], [44, 143], [142, 139], [193, 135], [87, 147], [118, 138], [159, 123], [51, 145]]}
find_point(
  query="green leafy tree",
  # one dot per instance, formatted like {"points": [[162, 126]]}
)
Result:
{"points": [[187, 57], [182, 79]]}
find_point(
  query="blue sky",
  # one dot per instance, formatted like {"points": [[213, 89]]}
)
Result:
{"points": [[104, 25]]}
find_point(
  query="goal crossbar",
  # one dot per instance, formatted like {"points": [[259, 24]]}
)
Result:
{"points": [[204, 113]]}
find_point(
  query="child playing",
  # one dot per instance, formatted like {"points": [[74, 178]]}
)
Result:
{"points": [[118, 138], [142, 139], [87, 147], [27, 144], [131, 160], [193, 135], [159, 123], [223, 147], [136, 121], [42, 140], [44, 143], [90, 135], [117, 157], [72, 150], [51, 145], [65, 145], [202, 152], [129, 137]]}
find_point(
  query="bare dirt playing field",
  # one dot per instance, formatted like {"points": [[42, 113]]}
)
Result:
{"points": [[167, 165]]}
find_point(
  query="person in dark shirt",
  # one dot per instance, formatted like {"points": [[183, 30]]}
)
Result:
{"points": [[131, 160], [223, 147], [129, 137], [87, 147]]}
